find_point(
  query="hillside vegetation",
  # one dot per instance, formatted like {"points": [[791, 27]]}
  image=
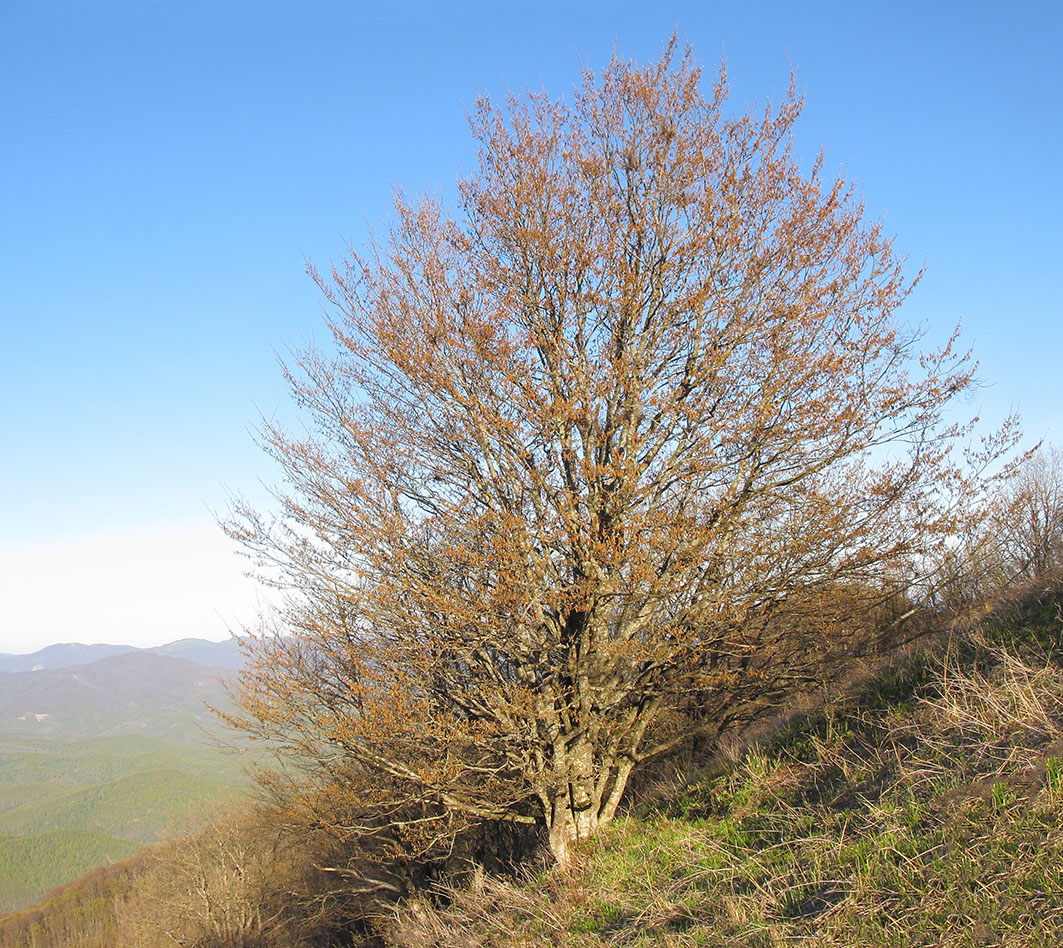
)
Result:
{"points": [[135, 807], [925, 810], [31, 865], [930, 812], [59, 764]]}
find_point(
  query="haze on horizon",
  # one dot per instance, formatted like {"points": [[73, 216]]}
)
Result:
{"points": [[140, 587], [172, 166]]}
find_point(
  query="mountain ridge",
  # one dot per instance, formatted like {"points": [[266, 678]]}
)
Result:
{"points": [[137, 692], [226, 654]]}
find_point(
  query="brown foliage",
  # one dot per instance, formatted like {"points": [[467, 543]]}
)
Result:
{"points": [[579, 448]]}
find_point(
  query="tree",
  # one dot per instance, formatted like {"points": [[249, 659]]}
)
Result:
{"points": [[1030, 526], [580, 446], [217, 886]]}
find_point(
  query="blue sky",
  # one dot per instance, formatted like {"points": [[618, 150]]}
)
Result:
{"points": [[167, 166]]}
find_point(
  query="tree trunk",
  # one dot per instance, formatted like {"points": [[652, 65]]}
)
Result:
{"points": [[581, 802], [567, 828]]}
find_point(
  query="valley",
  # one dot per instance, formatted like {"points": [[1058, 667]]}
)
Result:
{"points": [[104, 749]]}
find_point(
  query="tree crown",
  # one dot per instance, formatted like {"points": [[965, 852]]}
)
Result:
{"points": [[582, 443]]}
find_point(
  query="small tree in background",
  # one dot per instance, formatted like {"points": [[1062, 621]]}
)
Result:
{"points": [[1011, 562], [1031, 527], [579, 447]]}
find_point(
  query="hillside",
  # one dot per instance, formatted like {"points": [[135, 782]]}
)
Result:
{"points": [[926, 810], [97, 759], [31, 865], [130, 693], [58, 765], [137, 807], [930, 812]]}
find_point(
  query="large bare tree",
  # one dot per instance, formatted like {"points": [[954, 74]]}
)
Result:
{"points": [[575, 446]]}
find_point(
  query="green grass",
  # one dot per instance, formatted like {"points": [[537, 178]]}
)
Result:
{"points": [[31, 865]]}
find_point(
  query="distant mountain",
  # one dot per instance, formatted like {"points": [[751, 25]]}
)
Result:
{"points": [[225, 654], [135, 692], [59, 656]]}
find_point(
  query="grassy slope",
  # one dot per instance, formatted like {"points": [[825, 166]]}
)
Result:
{"points": [[930, 813], [31, 865]]}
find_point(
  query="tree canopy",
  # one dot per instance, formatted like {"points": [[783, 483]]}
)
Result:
{"points": [[586, 455]]}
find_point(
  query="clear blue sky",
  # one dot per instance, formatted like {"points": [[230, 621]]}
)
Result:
{"points": [[166, 166]]}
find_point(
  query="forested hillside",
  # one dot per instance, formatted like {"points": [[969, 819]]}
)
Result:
{"points": [[98, 759], [32, 864]]}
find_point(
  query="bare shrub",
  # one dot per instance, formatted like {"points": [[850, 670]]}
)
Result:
{"points": [[1031, 526], [239, 882]]}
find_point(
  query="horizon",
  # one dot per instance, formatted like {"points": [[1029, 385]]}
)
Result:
{"points": [[178, 164], [120, 645]]}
